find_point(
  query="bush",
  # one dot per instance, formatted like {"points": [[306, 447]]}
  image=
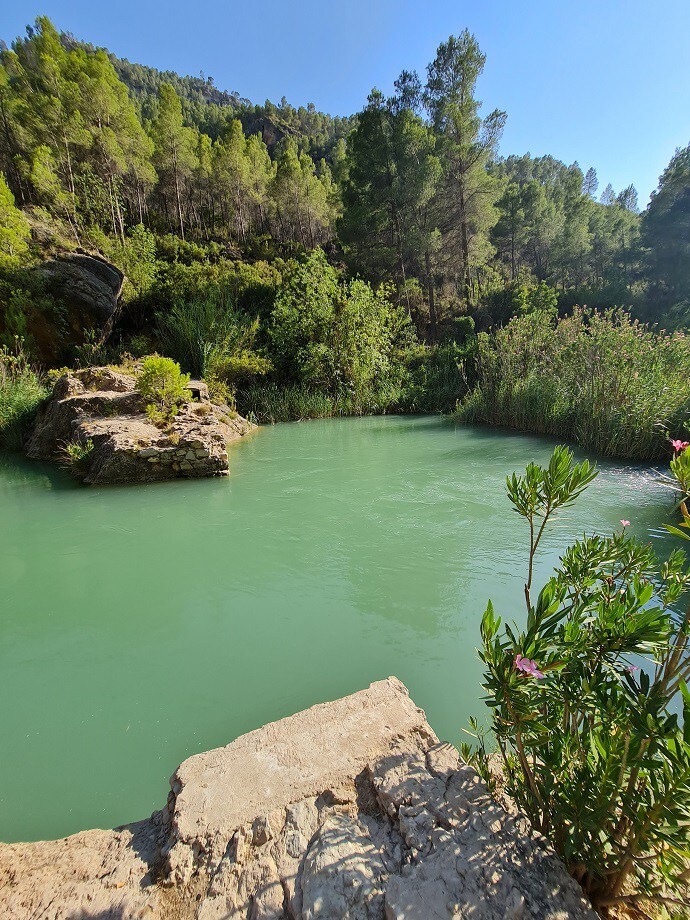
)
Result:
{"points": [[205, 332], [21, 393], [76, 457], [435, 380], [590, 745], [602, 379], [161, 382], [338, 337]]}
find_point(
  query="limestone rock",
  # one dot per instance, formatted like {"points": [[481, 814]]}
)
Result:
{"points": [[101, 405], [351, 810], [87, 289]]}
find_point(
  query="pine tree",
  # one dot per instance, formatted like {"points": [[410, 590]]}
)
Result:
{"points": [[392, 176], [466, 144], [14, 229], [174, 152]]}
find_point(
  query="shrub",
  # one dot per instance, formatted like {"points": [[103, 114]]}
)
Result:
{"points": [[161, 382], [203, 332], [435, 376], [604, 380], [76, 456], [590, 744], [339, 337], [21, 392]]}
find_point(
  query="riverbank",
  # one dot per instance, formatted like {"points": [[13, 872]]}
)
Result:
{"points": [[351, 808]]}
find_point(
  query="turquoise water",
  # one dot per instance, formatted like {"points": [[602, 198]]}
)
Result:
{"points": [[143, 624]]}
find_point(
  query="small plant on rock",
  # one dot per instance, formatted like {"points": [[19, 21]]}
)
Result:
{"points": [[76, 456], [591, 743], [161, 382]]}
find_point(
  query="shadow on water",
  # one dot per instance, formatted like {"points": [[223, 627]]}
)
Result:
{"points": [[17, 470]]}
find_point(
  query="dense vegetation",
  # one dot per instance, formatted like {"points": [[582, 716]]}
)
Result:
{"points": [[599, 378], [584, 701], [308, 265]]}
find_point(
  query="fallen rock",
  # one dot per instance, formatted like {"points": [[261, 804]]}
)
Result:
{"points": [[100, 409], [351, 810]]}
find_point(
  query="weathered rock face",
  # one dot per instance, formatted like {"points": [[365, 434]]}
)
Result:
{"points": [[86, 289], [348, 810], [86, 284], [101, 406]]}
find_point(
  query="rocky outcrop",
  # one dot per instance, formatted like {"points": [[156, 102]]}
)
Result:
{"points": [[351, 809], [86, 285], [100, 409], [84, 292]]}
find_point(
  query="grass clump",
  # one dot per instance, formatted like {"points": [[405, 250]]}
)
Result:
{"points": [[22, 390], [270, 403], [76, 456], [604, 380], [162, 383]]}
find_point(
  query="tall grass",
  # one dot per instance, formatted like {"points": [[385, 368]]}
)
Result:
{"points": [[273, 402], [269, 403], [603, 380], [204, 330], [21, 393]]}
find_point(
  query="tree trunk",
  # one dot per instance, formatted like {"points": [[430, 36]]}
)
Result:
{"points": [[432, 299]]}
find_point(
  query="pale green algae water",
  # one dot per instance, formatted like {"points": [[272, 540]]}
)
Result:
{"points": [[143, 624]]}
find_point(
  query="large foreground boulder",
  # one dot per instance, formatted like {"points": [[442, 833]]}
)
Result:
{"points": [[351, 809], [100, 409]]}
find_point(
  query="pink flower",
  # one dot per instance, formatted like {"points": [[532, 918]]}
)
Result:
{"points": [[527, 666], [625, 523], [632, 668], [679, 445]]}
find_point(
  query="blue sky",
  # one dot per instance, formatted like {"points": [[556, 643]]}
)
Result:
{"points": [[605, 83]]}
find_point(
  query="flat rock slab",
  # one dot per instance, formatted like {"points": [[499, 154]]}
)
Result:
{"points": [[351, 809]]}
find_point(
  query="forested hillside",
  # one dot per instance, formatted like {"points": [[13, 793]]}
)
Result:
{"points": [[332, 254]]}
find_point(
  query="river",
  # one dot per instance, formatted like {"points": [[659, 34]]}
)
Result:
{"points": [[143, 624]]}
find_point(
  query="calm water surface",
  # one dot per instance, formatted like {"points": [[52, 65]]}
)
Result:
{"points": [[140, 625]]}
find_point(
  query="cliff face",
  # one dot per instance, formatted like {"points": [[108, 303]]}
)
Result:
{"points": [[351, 809]]}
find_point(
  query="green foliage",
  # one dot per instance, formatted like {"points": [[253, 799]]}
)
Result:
{"points": [[21, 393], [136, 257], [665, 229], [392, 174], [270, 403], [333, 335], [209, 337], [14, 230], [435, 379], [601, 379], [161, 382], [592, 748], [76, 456]]}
